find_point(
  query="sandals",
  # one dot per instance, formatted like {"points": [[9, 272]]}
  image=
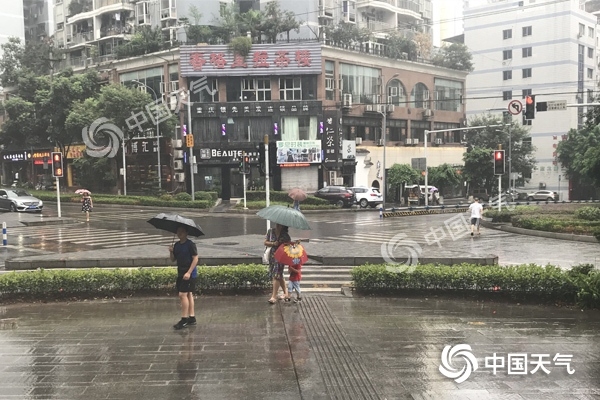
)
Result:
{"points": [[272, 301]]}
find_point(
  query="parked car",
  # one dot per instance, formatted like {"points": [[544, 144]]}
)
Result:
{"points": [[19, 200], [543, 195], [481, 194], [364, 196], [338, 195]]}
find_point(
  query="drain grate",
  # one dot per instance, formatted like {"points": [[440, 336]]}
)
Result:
{"points": [[341, 366], [225, 243]]}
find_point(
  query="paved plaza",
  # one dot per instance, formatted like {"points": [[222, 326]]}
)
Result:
{"points": [[328, 347]]}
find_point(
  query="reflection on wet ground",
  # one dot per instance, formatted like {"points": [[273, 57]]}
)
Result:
{"points": [[324, 348]]}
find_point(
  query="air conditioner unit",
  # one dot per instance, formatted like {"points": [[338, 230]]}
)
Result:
{"points": [[390, 100], [380, 142], [174, 86], [358, 140], [173, 102], [178, 165], [438, 141], [177, 143], [381, 108], [347, 100], [415, 141], [339, 181], [427, 113], [370, 108], [390, 108], [408, 141], [179, 177], [177, 154]]}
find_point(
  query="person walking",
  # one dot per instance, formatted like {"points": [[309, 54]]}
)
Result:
{"points": [[294, 281], [186, 254], [476, 213], [87, 205], [276, 237]]}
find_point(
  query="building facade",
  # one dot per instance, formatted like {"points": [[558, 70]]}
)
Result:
{"points": [[322, 109], [542, 48], [12, 23]]}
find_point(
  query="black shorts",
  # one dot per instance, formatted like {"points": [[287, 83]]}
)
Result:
{"points": [[475, 221], [185, 286]]}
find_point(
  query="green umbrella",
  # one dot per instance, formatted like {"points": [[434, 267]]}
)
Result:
{"points": [[284, 216]]}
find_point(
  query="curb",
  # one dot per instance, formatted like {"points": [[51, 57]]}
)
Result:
{"points": [[530, 232], [67, 263]]}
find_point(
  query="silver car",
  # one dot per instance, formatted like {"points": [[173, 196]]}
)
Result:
{"points": [[19, 200], [543, 195]]}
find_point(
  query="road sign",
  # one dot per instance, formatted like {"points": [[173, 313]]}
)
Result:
{"points": [[515, 107], [556, 105], [419, 163]]}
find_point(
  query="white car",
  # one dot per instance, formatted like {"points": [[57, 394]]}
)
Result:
{"points": [[543, 195], [367, 196], [19, 200]]}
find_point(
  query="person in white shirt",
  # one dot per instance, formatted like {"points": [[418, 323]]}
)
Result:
{"points": [[476, 211]]}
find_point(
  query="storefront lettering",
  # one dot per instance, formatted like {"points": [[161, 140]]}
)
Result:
{"points": [[216, 153]]}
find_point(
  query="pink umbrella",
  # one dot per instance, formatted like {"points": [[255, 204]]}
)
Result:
{"points": [[297, 194], [82, 191]]}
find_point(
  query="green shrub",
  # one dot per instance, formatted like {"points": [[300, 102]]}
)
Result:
{"points": [[166, 197], [531, 282], [183, 196], [596, 234], [208, 196], [498, 216], [49, 284], [581, 269], [588, 213]]}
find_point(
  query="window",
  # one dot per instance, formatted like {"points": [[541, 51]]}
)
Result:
{"points": [[506, 75], [362, 82], [590, 52], [396, 93], [526, 72], [299, 128], [419, 97], [526, 31], [526, 92], [590, 73], [222, 8], [507, 54], [60, 26], [507, 34], [290, 88], [581, 30], [209, 95], [448, 95], [256, 89], [527, 52], [507, 95], [329, 80], [590, 31]]}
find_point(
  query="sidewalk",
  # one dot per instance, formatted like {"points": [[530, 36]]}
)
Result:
{"points": [[323, 348], [233, 250]]}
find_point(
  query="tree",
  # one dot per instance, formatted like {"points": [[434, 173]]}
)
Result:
{"points": [[479, 168], [443, 176], [145, 40], [400, 47], [277, 21], [97, 174], [580, 155], [423, 44], [523, 160], [18, 59], [455, 56]]}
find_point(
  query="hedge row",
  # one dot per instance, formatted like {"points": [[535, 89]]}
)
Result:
{"points": [[580, 285], [282, 197], [551, 224], [52, 284], [257, 205], [203, 201]]}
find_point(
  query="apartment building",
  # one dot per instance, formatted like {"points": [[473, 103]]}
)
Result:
{"points": [[543, 48]]}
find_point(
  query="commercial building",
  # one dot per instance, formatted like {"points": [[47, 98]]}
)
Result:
{"points": [[543, 48]]}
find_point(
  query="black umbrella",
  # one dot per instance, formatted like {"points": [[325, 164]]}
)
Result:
{"points": [[170, 223]]}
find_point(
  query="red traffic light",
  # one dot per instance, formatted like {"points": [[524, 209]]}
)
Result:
{"points": [[57, 157], [529, 100], [499, 155]]}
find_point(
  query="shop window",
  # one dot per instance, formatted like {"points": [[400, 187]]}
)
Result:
{"points": [[290, 88]]}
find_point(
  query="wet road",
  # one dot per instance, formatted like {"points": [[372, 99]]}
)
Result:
{"points": [[323, 348], [112, 228]]}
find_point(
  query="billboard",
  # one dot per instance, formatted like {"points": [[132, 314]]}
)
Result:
{"points": [[299, 151]]}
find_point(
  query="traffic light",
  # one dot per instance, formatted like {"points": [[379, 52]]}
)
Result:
{"points": [[189, 141], [57, 165], [530, 107], [246, 165], [499, 167]]}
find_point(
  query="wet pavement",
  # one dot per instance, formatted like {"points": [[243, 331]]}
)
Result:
{"points": [[328, 347]]}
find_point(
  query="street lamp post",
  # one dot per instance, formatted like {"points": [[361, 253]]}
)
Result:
{"points": [[383, 175], [157, 133]]}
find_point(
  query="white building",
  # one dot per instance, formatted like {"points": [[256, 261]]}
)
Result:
{"points": [[540, 47]]}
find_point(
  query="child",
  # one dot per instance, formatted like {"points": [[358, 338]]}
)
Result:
{"points": [[295, 278], [186, 254]]}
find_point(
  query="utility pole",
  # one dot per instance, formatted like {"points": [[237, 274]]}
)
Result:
{"points": [[191, 157], [267, 193]]}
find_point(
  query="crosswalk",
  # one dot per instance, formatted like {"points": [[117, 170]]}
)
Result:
{"points": [[87, 237]]}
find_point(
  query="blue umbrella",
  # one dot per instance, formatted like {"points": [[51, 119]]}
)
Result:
{"points": [[285, 216]]}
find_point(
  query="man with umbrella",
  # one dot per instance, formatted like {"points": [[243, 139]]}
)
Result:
{"points": [[186, 254]]}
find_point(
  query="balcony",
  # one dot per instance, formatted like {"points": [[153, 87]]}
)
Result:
{"points": [[79, 38], [114, 31], [376, 26], [168, 13]]}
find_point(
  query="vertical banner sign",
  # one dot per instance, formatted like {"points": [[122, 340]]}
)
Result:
{"points": [[331, 139]]}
